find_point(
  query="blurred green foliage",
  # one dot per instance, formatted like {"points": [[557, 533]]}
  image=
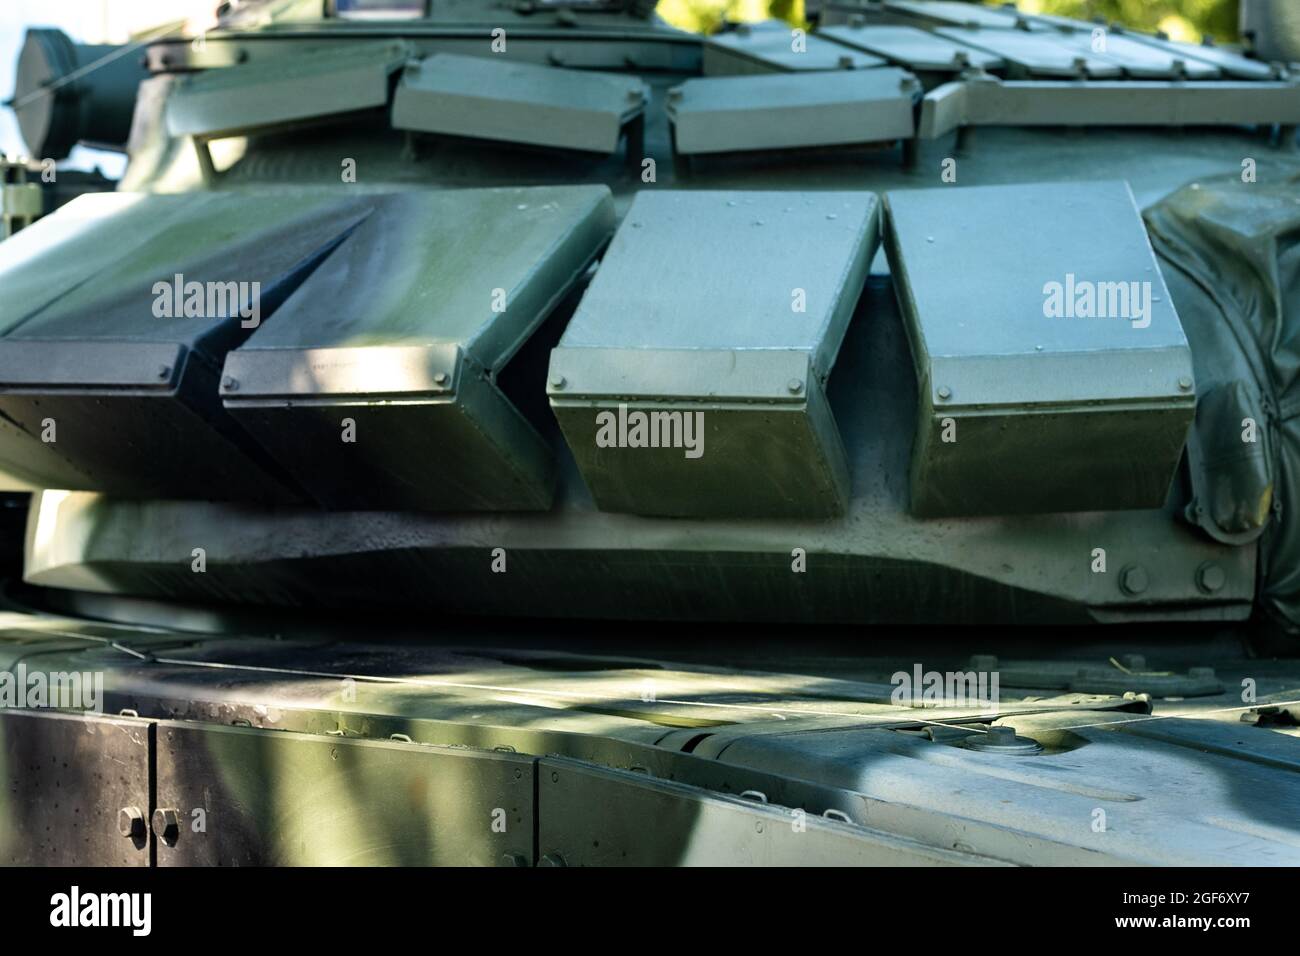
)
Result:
{"points": [[1181, 19]]}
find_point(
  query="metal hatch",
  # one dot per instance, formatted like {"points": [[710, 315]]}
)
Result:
{"points": [[704, 393], [74, 788], [1058, 22], [516, 102], [1227, 63], [104, 373], [307, 85], [956, 13], [770, 50], [84, 234], [1028, 404], [1035, 54], [912, 48], [789, 110], [1140, 59], [986, 101], [402, 333], [1231, 63]]}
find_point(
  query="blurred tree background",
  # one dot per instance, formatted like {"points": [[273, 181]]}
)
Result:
{"points": [[1181, 19]]}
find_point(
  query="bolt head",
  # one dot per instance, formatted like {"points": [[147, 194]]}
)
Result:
{"points": [[795, 386], [1210, 577], [130, 822], [558, 381], [1003, 740], [944, 393], [441, 378], [1133, 580], [167, 825], [230, 383], [1185, 384]]}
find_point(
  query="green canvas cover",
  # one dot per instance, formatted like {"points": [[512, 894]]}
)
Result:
{"points": [[1230, 253]]}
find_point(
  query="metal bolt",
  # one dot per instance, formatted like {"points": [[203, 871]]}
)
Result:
{"points": [[167, 825], [945, 393], [1210, 577], [513, 859], [552, 859], [130, 822], [558, 381], [1185, 384], [795, 386], [1003, 740], [164, 372], [1133, 579], [230, 384], [440, 379]]}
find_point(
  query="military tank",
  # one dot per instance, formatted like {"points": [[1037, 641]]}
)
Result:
{"points": [[471, 429]]}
